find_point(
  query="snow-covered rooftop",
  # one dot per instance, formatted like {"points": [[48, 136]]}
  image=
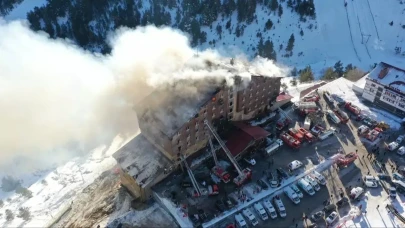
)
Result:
{"points": [[141, 159], [389, 75]]}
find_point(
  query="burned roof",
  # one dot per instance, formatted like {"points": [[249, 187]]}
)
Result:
{"points": [[168, 109], [140, 159]]}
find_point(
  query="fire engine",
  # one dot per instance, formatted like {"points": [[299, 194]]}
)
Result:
{"points": [[296, 134], [290, 141], [311, 98], [353, 108], [341, 115], [282, 123], [243, 175], [308, 136], [347, 159]]}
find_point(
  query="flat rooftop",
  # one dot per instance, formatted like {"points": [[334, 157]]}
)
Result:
{"points": [[141, 160], [170, 108], [389, 75]]}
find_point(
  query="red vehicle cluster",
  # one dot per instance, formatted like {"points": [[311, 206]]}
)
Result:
{"points": [[311, 98], [307, 135], [290, 141], [341, 115], [296, 134], [347, 159], [282, 123], [353, 108]]}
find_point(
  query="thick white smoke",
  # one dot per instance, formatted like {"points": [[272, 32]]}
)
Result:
{"points": [[54, 95]]}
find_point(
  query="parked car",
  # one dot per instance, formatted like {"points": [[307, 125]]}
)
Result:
{"points": [[332, 217], [281, 172], [398, 176], [392, 192], [272, 179], [400, 139], [262, 184], [219, 204], [317, 216], [329, 208], [343, 201], [370, 181], [229, 202], [294, 165], [401, 150]]}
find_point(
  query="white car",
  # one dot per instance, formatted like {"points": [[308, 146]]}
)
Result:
{"points": [[294, 165], [371, 181], [400, 139], [332, 217], [401, 150], [392, 146]]}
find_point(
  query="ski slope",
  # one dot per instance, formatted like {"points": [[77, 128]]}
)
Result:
{"points": [[359, 33]]}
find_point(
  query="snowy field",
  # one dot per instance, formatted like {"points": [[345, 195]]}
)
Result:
{"points": [[343, 88], [62, 185], [370, 216], [359, 33]]}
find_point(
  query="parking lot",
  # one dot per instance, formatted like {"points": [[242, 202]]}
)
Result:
{"points": [[309, 154]]}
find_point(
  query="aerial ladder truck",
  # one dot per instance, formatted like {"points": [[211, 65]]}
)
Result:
{"points": [[197, 189], [284, 121], [218, 170], [243, 175]]}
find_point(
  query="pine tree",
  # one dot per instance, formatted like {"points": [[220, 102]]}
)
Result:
{"points": [[294, 72], [269, 24], [290, 44], [330, 74], [339, 68], [274, 5], [302, 32], [280, 10], [306, 75], [9, 215]]}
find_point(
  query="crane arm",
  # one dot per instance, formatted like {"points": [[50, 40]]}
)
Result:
{"points": [[226, 150]]}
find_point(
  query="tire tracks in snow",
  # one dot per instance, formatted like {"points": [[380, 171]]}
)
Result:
{"points": [[372, 16], [361, 30], [350, 30]]}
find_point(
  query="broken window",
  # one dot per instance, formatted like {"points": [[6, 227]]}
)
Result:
{"points": [[230, 103], [179, 148], [230, 110]]}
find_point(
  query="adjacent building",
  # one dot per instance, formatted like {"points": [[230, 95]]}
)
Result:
{"points": [[385, 87], [172, 126]]}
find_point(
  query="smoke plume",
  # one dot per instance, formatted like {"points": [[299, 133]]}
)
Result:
{"points": [[55, 96]]}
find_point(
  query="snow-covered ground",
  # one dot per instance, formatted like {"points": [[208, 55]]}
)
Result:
{"points": [[62, 185], [343, 88], [358, 33], [369, 216]]}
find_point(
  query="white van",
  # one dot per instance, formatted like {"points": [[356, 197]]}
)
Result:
{"points": [[296, 190], [332, 116], [292, 195], [318, 177], [327, 133], [313, 182], [250, 217], [294, 165], [302, 183], [279, 206], [270, 209], [240, 221], [260, 211]]}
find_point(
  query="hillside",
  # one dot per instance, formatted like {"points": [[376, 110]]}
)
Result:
{"points": [[324, 31]]}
